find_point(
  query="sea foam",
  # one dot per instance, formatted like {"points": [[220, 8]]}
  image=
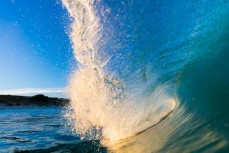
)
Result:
{"points": [[99, 101]]}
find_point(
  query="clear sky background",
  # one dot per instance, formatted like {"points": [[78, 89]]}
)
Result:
{"points": [[35, 50]]}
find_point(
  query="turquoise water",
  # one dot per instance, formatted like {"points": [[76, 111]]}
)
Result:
{"points": [[158, 64], [135, 60]]}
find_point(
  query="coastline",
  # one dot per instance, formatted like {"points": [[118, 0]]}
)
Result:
{"points": [[37, 100]]}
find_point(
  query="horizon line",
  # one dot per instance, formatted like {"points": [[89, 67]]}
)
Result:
{"points": [[24, 91]]}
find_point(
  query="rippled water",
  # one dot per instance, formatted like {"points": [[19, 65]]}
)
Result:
{"points": [[39, 129]]}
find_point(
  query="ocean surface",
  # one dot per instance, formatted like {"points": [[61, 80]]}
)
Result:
{"points": [[39, 129], [151, 76]]}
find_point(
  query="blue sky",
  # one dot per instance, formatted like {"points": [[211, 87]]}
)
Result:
{"points": [[35, 50]]}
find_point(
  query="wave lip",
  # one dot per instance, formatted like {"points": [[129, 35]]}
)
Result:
{"points": [[99, 101]]}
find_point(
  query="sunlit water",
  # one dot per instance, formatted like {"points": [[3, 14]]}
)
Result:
{"points": [[151, 76]]}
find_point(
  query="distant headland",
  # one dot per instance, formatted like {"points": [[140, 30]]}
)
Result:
{"points": [[37, 100]]}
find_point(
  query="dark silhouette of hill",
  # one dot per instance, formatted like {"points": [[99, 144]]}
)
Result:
{"points": [[39, 100]]}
